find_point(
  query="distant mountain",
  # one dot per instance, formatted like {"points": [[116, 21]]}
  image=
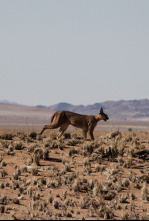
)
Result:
{"points": [[8, 102], [122, 110]]}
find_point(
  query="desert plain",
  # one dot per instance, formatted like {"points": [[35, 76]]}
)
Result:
{"points": [[69, 178]]}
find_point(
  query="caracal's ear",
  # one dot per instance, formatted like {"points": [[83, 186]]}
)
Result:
{"points": [[101, 111]]}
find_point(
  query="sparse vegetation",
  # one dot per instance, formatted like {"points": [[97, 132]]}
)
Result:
{"points": [[45, 178]]}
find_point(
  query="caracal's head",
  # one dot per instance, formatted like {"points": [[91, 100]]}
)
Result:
{"points": [[103, 116]]}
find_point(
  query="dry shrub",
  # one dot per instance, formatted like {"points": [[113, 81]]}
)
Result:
{"points": [[38, 154], [145, 192], [1, 159], [5, 144], [67, 167], [55, 144], [34, 171], [85, 203], [17, 145], [105, 212], [33, 135], [2, 209], [73, 142], [87, 148], [81, 185], [67, 136], [7, 136], [53, 136], [72, 151]]}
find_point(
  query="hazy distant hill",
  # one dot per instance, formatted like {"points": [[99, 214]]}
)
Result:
{"points": [[123, 110], [7, 102], [15, 116]]}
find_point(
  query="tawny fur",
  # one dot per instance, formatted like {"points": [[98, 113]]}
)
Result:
{"points": [[62, 119]]}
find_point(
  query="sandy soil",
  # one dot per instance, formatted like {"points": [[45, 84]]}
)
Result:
{"points": [[45, 178]]}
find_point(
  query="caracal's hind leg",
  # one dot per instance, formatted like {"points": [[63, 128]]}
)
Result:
{"points": [[50, 126], [62, 130]]}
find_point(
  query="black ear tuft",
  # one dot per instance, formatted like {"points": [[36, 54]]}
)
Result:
{"points": [[101, 111]]}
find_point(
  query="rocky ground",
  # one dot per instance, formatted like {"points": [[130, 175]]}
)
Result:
{"points": [[45, 178]]}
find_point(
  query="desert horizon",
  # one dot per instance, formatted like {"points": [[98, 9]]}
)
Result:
{"points": [[16, 116]]}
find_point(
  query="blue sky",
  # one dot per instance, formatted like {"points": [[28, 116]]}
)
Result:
{"points": [[75, 51]]}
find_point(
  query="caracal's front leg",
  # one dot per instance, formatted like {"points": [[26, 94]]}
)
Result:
{"points": [[91, 134]]}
